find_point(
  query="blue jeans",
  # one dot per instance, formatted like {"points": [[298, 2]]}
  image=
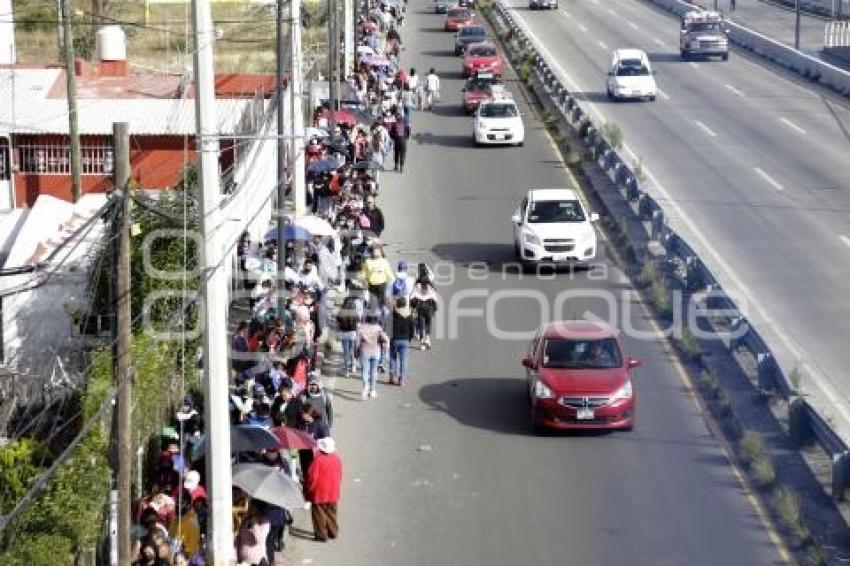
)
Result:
{"points": [[348, 339], [408, 114], [370, 370], [398, 358]]}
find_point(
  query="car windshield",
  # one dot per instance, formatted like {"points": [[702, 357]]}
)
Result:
{"points": [[483, 51], [549, 211], [499, 111], [705, 27], [631, 68], [472, 31], [479, 83], [581, 354], [461, 14]]}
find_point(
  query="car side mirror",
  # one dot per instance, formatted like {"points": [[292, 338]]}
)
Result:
{"points": [[527, 362], [516, 219], [633, 363], [610, 73], [594, 216]]}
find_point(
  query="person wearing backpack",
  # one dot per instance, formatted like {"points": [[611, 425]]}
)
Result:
{"points": [[424, 300], [401, 334], [403, 283], [400, 132]]}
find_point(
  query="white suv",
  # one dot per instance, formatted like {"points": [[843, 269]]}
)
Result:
{"points": [[552, 226], [631, 76]]}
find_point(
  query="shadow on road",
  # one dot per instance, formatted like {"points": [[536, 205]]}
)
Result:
{"points": [[445, 140], [439, 53], [434, 29], [448, 110], [495, 404], [499, 258], [664, 57], [598, 97]]}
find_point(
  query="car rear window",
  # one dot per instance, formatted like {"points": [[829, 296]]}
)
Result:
{"points": [[465, 14], [483, 51], [581, 354], [473, 30], [499, 111]]}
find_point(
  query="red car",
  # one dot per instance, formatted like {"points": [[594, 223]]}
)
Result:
{"points": [[578, 378], [482, 57], [477, 88], [456, 18]]}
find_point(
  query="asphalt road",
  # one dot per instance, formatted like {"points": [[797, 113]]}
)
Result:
{"points": [[751, 165], [446, 470]]}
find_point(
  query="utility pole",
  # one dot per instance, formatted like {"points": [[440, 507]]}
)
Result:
{"points": [[281, 165], [124, 362], [215, 292], [71, 87], [332, 95], [60, 42], [296, 119], [797, 26], [348, 16]]}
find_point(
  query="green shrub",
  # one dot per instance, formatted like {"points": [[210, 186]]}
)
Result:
{"points": [[750, 448], [612, 134], [524, 71], [689, 344], [709, 385], [764, 472], [815, 556], [583, 128], [790, 513]]}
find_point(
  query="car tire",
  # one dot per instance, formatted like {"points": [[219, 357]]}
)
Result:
{"points": [[517, 253], [652, 98], [684, 55], [725, 56], [537, 429], [610, 94], [457, 51]]}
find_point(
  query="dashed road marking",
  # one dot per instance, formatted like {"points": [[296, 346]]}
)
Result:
{"points": [[662, 94], [769, 179], [792, 125], [612, 12], [694, 65], [658, 42], [705, 128], [845, 240], [567, 14], [602, 44], [735, 90], [632, 25], [582, 28]]}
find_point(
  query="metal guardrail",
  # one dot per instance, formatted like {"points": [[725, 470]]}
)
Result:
{"points": [[698, 276]]}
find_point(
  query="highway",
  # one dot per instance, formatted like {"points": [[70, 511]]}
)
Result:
{"points": [[750, 162], [446, 471]]}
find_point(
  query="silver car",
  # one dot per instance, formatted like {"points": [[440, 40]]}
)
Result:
{"points": [[540, 4]]}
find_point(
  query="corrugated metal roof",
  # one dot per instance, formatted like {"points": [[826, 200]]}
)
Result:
{"points": [[25, 109]]}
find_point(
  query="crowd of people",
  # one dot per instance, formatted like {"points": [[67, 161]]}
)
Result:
{"points": [[338, 285]]}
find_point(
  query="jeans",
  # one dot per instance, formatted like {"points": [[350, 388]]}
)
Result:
{"points": [[423, 324], [398, 358], [349, 340], [370, 370], [408, 114]]}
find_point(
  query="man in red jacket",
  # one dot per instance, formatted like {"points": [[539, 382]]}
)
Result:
{"points": [[322, 489]]}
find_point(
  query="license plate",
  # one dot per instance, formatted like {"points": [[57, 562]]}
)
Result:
{"points": [[584, 414], [560, 257], [499, 136]]}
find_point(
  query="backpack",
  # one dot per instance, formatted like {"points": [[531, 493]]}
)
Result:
{"points": [[399, 288], [399, 129]]}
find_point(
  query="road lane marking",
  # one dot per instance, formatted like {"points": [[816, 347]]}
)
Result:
{"points": [[694, 65], [632, 25], [792, 125], [705, 128], [658, 42], [662, 94], [769, 179], [603, 45], [736, 91], [595, 2], [582, 28], [845, 239], [612, 12], [567, 14]]}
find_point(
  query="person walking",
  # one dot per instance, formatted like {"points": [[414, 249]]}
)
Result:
{"points": [[416, 87], [377, 272], [347, 320], [408, 102], [424, 300], [322, 490], [318, 399], [371, 340], [400, 133], [403, 327], [403, 282], [432, 88], [375, 216]]}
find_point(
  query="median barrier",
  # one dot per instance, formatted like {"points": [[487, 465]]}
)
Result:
{"points": [[697, 273]]}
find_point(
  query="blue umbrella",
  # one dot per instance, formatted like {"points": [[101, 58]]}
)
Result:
{"points": [[243, 438], [291, 232], [323, 166]]}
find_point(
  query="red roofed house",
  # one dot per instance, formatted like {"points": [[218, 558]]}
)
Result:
{"points": [[34, 142]]}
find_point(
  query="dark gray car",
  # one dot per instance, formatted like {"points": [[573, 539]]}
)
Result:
{"points": [[441, 6], [468, 35]]}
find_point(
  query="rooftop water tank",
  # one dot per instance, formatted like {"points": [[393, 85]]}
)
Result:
{"points": [[111, 44]]}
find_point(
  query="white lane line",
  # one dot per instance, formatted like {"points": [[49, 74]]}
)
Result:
{"points": [[567, 14], [845, 240], [658, 42], [705, 128], [612, 12], [603, 45], [582, 28], [694, 65], [662, 94], [595, 2], [769, 179], [632, 25], [736, 91], [793, 126]]}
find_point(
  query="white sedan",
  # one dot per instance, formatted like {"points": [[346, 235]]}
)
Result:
{"points": [[498, 122]]}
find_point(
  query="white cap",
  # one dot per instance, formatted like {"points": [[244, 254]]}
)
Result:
{"points": [[326, 445], [192, 480]]}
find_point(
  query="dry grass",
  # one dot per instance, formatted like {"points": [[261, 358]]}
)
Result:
{"points": [[160, 43]]}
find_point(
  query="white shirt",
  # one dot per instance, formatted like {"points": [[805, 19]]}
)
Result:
{"points": [[432, 82], [413, 82]]}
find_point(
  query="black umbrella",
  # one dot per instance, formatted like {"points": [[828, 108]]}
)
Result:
{"points": [[243, 438], [323, 166]]}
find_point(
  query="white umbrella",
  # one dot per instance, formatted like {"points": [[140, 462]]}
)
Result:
{"points": [[315, 225], [268, 484], [365, 50]]}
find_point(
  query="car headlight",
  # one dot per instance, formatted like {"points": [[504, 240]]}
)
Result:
{"points": [[624, 392], [542, 391], [531, 239]]}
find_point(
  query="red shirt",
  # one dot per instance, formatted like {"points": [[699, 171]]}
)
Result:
{"points": [[324, 479]]}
